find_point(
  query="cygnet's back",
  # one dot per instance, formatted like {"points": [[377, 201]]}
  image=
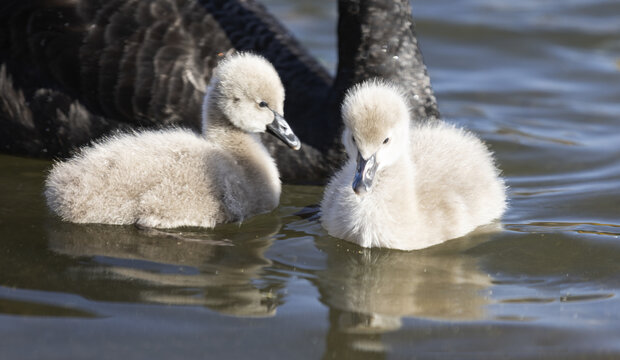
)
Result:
{"points": [[407, 186], [173, 177]]}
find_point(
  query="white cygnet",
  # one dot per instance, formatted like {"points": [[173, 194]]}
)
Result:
{"points": [[174, 177], [407, 186]]}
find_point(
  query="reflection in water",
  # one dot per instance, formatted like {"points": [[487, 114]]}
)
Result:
{"points": [[578, 227], [369, 291], [552, 260], [394, 284], [220, 269], [29, 308]]}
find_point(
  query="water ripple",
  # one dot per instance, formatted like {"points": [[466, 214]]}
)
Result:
{"points": [[591, 228]]}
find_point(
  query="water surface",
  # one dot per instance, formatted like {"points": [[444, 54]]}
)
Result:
{"points": [[539, 81]]}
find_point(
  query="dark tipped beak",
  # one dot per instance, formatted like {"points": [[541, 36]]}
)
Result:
{"points": [[280, 128], [364, 173]]}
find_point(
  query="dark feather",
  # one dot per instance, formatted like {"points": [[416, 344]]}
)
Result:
{"points": [[73, 70]]}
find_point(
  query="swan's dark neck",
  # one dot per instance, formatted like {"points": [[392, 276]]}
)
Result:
{"points": [[376, 38]]}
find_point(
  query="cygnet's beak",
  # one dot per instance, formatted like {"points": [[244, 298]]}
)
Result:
{"points": [[364, 173], [280, 128]]}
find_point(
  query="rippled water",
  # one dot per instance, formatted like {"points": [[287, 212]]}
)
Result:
{"points": [[538, 80]]}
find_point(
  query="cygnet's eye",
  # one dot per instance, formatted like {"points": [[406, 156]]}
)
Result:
{"points": [[262, 104], [387, 140]]}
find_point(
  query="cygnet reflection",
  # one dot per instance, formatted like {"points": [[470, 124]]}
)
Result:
{"points": [[221, 269], [370, 291], [375, 288]]}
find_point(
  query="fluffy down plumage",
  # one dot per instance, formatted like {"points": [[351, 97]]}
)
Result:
{"points": [[421, 184], [174, 177]]}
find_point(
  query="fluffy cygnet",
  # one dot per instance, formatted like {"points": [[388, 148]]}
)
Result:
{"points": [[170, 178], [407, 186]]}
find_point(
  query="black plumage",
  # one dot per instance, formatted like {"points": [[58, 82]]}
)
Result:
{"points": [[74, 70]]}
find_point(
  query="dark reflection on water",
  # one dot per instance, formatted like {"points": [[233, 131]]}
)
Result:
{"points": [[26, 308], [539, 81]]}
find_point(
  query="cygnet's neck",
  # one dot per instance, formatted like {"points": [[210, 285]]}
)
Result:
{"points": [[254, 169], [246, 148]]}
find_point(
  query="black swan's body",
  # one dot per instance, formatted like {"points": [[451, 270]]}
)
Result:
{"points": [[74, 70]]}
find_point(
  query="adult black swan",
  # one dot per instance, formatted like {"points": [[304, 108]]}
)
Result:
{"points": [[74, 70]]}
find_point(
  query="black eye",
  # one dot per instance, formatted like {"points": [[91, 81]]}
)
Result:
{"points": [[262, 104], [387, 140]]}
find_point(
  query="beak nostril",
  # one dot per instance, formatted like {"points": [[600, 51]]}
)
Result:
{"points": [[282, 130]]}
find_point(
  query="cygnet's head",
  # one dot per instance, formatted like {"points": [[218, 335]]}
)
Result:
{"points": [[376, 118], [247, 90]]}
